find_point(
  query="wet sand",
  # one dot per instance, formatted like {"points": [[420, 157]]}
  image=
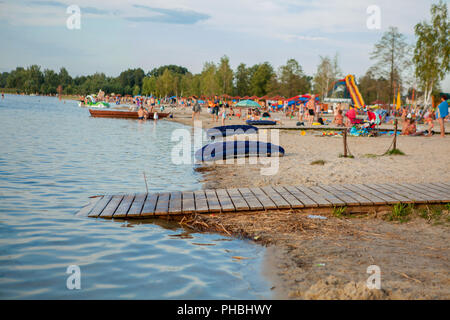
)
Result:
{"points": [[328, 259]]}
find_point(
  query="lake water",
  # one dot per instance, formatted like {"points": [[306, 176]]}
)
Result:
{"points": [[53, 156]]}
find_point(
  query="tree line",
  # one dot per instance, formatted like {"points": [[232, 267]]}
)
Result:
{"points": [[215, 79], [397, 66]]}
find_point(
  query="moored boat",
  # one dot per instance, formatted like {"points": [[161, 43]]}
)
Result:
{"points": [[123, 114]]}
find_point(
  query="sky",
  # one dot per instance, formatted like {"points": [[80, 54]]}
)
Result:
{"points": [[116, 35]]}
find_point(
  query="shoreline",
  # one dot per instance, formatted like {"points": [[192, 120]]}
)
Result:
{"points": [[328, 259]]}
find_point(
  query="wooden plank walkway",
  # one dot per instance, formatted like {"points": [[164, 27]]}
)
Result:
{"points": [[321, 197]]}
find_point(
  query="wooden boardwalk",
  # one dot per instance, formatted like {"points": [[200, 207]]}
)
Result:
{"points": [[321, 198]]}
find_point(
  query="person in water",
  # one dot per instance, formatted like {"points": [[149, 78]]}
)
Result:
{"points": [[142, 113], [441, 113]]}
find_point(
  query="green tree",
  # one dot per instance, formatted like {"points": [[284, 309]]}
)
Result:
{"points": [[157, 72], [261, 78], [373, 89], [292, 79], [34, 79], [149, 86], [224, 76], [64, 78], [166, 84], [50, 83], [432, 50], [391, 56], [208, 80], [327, 73], [136, 90], [242, 80]]}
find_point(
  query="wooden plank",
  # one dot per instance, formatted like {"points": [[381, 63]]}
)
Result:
{"points": [[150, 205], [137, 205], [435, 192], [339, 194], [213, 202], [112, 206], [263, 198], [293, 201], [124, 206], [329, 195], [354, 198], [188, 202], [431, 196], [238, 201], [445, 184], [444, 193], [407, 193], [87, 208], [393, 194], [364, 194], [225, 201], [252, 201], [303, 198], [175, 203], [374, 190], [99, 206], [318, 198], [201, 205], [279, 201], [440, 186], [162, 206]]}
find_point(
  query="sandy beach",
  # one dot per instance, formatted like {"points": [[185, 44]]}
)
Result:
{"points": [[327, 259]]}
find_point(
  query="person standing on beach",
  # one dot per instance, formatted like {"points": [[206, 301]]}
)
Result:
{"points": [[441, 113], [196, 109], [224, 114], [215, 109], [311, 106], [301, 112]]}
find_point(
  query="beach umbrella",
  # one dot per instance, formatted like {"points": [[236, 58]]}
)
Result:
{"points": [[248, 104]]}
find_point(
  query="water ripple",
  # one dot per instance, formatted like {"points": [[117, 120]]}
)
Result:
{"points": [[53, 157]]}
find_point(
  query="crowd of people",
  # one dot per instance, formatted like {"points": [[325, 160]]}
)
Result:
{"points": [[309, 111]]}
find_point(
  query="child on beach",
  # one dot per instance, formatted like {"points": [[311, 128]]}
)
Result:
{"points": [[428, 117], [224, 114]]}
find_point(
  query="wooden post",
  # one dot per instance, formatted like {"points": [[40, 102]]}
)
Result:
{"points": [[395, 133], [345, 143]]}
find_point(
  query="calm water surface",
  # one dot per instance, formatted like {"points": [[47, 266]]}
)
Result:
{"points": [[53, 156]]}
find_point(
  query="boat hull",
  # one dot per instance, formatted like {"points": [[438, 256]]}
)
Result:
{"points": [[122, 114]]}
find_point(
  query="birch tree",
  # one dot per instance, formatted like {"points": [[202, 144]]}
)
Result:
{"points": [[432, 50]]}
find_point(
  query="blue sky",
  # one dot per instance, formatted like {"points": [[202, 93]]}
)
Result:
{"points": [[116, 35]]}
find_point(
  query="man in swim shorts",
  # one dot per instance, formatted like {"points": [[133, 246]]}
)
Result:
{"points": [[441, 113], [215, 109]]}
